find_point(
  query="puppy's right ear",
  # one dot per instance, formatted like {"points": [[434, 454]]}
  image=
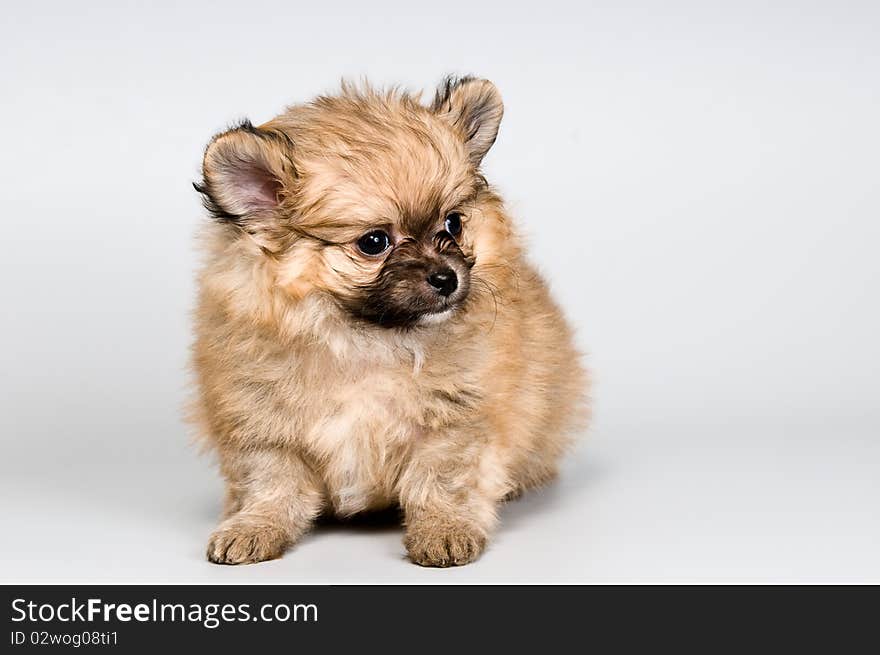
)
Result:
{"points": [[246, 175]]}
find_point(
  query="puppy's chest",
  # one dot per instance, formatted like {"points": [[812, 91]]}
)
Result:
{"points": [[361, 434]]}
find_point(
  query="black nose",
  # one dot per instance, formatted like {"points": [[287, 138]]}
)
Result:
{"points": [[444, 281]]}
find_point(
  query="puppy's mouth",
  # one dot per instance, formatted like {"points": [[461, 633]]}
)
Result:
{"points": [[416, 302], [435, 318], [445, 309]]}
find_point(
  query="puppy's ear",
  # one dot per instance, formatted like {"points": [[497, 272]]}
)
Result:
{"points": [[247, 173], [474, 108]]}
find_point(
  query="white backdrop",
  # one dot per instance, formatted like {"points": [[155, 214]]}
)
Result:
{"points": [[698, 181]]}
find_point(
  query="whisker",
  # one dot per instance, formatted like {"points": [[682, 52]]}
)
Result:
{"points": [[478, 282]]}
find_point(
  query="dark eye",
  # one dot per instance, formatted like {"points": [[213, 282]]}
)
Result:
{"points": [[374, 243], [453, 223]]}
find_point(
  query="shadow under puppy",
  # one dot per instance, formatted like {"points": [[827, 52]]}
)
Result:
{"points": [[368, 333]]}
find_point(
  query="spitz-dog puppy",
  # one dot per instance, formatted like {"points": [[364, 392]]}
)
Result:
{"points": [[368, 334]]}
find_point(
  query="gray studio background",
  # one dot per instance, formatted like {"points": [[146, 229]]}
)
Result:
{"points": [[699, 181]]}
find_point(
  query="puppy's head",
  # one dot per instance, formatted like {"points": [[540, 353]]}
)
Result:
{"points": [[370, 198]]}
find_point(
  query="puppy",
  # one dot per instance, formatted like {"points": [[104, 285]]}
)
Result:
{"points": [[368, 333]]}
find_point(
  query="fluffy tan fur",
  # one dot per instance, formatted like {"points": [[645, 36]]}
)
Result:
{"points": [[312, 409]]}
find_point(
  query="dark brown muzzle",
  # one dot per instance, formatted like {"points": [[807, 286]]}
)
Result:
{"points": [[418, 279]]}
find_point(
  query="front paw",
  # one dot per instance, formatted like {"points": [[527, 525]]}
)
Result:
{"points": [[238, 541], [444, 544]]}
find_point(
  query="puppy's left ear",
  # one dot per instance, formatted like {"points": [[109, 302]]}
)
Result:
{"points": [[474, 108]]}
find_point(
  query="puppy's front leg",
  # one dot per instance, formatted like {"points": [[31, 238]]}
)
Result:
{"points": [[449, 510], [273, 497]]}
